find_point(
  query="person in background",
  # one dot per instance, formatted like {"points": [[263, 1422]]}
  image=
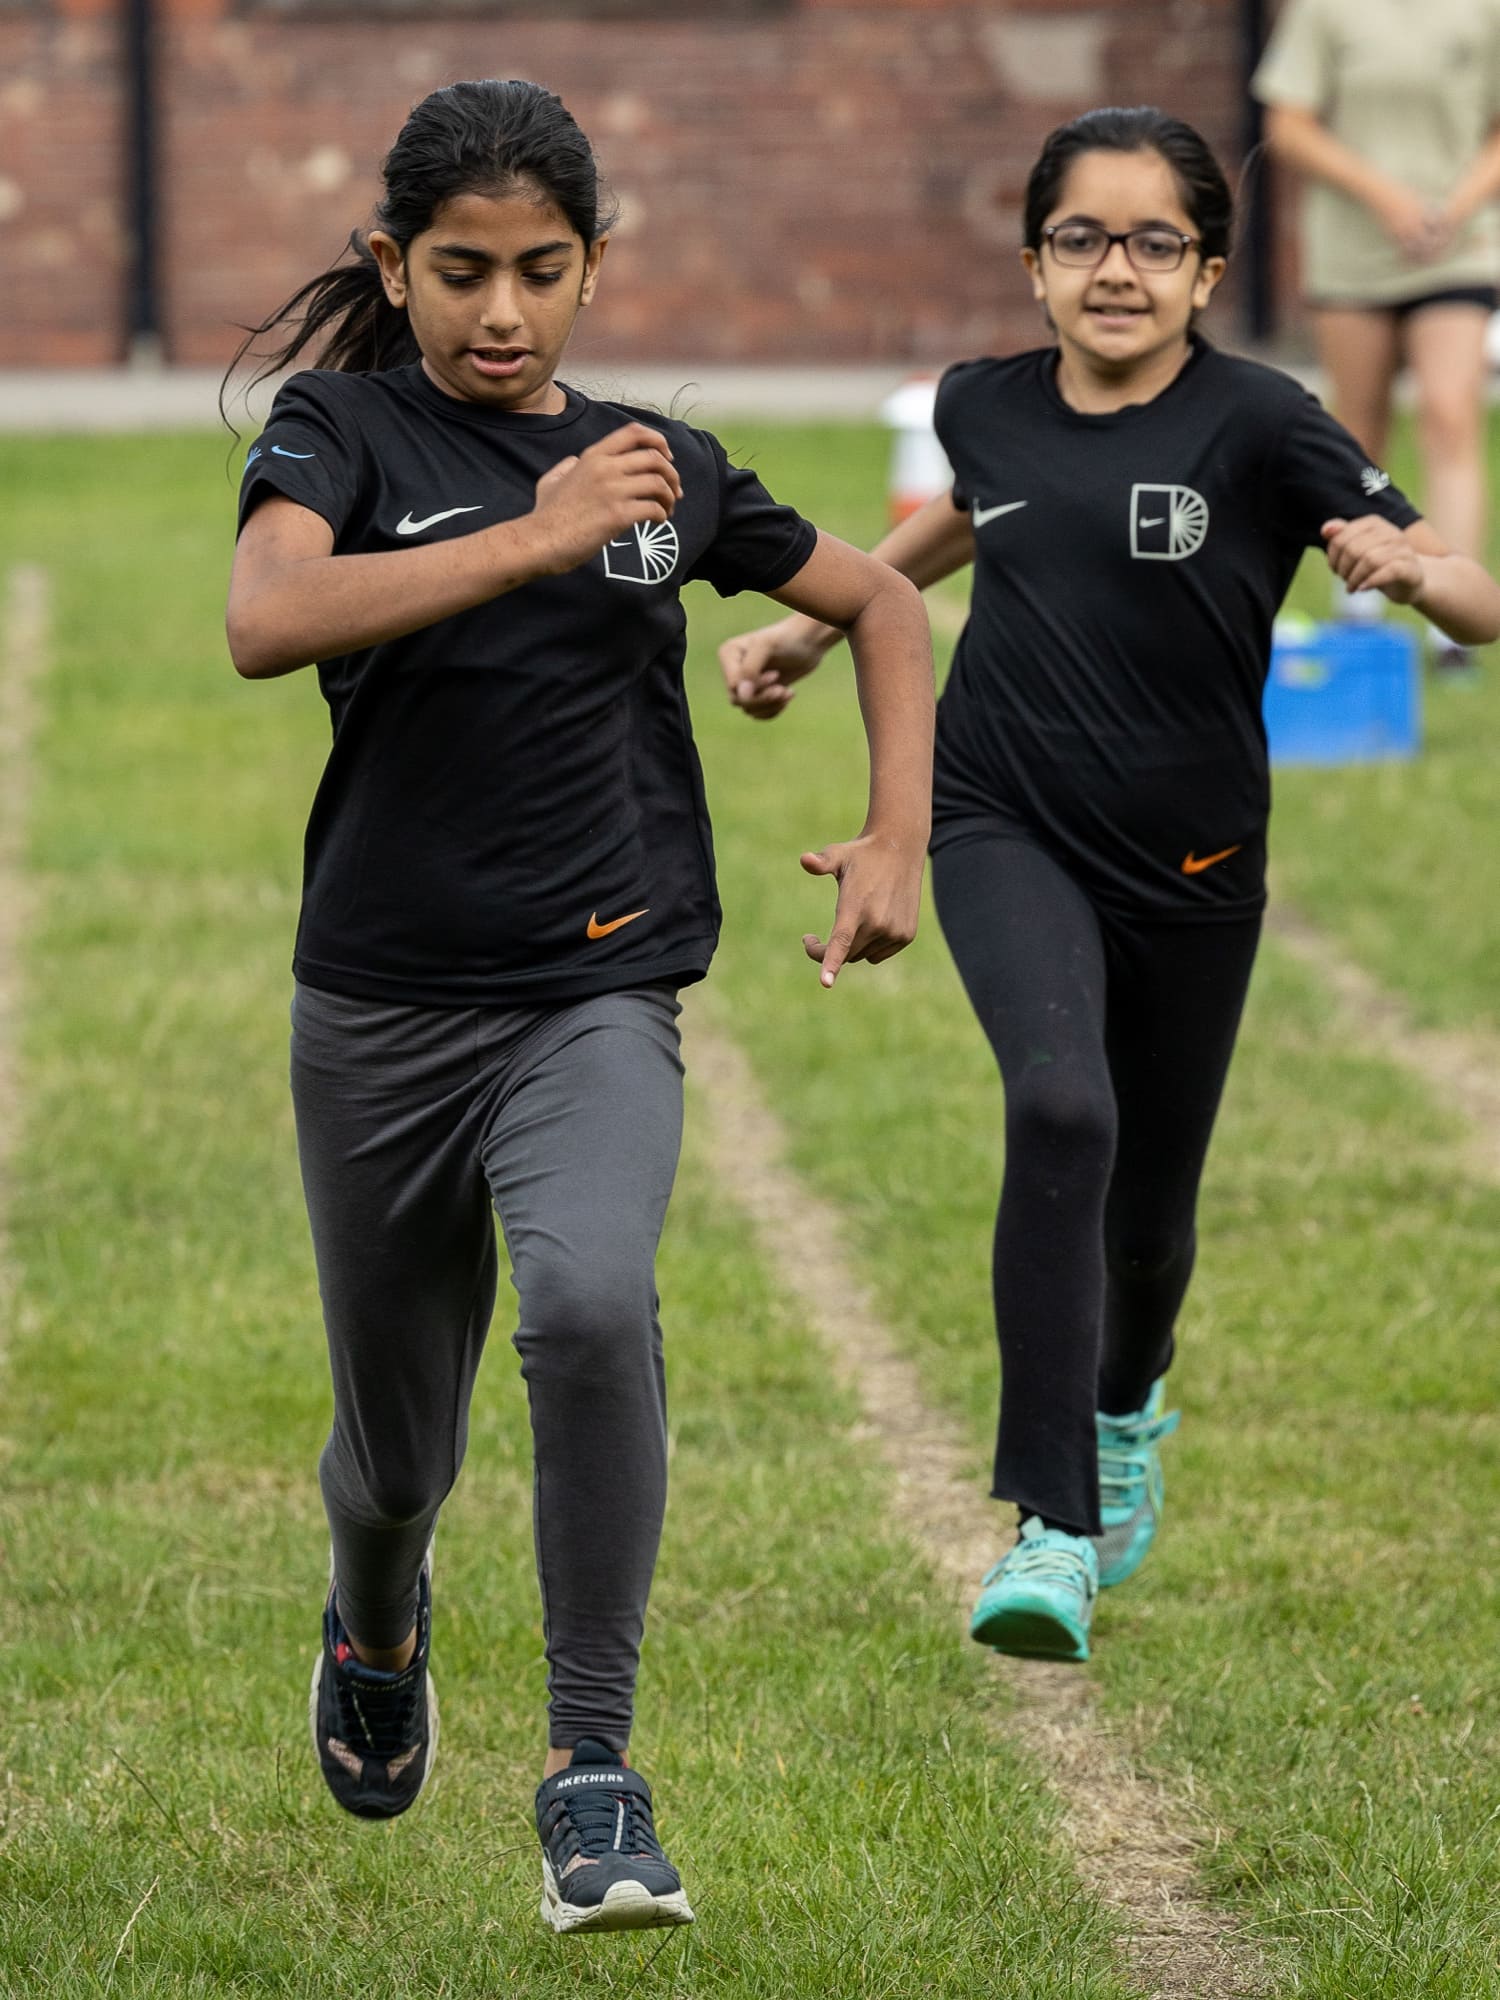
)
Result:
{"points": [[1392, 116]]}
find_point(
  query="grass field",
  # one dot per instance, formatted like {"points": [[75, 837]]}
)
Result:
{"points": [[1309, 1660]]}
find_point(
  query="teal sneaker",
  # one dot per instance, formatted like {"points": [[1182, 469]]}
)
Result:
{"points": [[1038, 1600], [1130, 1484]]}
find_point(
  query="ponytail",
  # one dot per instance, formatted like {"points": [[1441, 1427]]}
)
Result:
{"points": [[345, 312]]}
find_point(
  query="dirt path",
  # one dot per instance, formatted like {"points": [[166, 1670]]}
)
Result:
{"points": [[25, 622], [1135, 1848], [1461, 1070]]}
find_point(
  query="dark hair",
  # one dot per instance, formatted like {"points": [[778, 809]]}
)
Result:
{"points": [[1142, 129], [493, 137]]}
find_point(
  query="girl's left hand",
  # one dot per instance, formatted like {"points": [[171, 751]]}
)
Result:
{"points": [[1371, 553], [880, 893]]}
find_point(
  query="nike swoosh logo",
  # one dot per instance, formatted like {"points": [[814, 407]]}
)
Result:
{"points": [[1155, 521], [277, 452], [598, 930], [411, 527], [983, 514], [1191, 865]]}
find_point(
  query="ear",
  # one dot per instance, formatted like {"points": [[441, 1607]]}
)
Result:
{"points": [[1033, 265], [1206, 283], [391, 258], [592, 259]]}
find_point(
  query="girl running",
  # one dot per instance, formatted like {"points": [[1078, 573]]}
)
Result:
{"points": [[508, 876], [1135, 505]]}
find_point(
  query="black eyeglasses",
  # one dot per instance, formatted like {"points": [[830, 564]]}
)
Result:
{"points": [[1082, 245]]}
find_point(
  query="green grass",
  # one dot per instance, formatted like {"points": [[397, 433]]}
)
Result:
{"points": [[822, 1744], [1309, 1659]]}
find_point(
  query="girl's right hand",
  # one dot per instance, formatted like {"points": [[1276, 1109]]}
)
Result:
{"points": [[1418, 227], [760, 666], [584, 502]]}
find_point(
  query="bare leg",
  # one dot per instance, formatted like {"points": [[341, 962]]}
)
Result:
{"points": [[1360, 350], [1446, 348]]}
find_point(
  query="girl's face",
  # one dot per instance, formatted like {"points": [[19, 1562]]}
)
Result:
{"points": [[492, 288], [1111, 316]]}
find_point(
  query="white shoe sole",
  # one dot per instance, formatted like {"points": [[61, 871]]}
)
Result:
{"points": [[627, 1906]]}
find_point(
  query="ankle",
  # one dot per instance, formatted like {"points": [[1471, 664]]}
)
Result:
{"points": [[559, 1760], [385, 1659]]}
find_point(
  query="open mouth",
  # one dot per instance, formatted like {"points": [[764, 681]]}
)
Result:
{"points": [[1122, 313], [499, 361]]}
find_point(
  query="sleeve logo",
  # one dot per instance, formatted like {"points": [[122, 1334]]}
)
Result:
{"points": [[1373, 480], [646, 553], [1166, 522]]}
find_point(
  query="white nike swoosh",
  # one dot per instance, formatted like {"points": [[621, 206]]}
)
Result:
{"points": [[983, 514], [1154, 522], [411, 527]]}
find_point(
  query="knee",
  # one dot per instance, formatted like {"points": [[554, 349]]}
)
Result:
{"points": [[587, 1323], [1061, 1116], [1147, 1255], [1449, 425]]}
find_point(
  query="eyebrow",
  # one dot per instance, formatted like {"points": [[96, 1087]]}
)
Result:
{"points": [[468, 253], [1150, 222]]}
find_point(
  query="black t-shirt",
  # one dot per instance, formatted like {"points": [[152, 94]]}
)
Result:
{"points": [[512, 809], [1105, 697]]}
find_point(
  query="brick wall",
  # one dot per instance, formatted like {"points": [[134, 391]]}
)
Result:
{"points": [[802, 180]]}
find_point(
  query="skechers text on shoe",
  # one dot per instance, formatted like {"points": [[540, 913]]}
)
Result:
{"points": [[1038, 1600], [1131, 1487], [375, 1733], [602, 1865]]}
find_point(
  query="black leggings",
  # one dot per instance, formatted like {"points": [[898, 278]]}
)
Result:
{"points": [[1114, 1039]]}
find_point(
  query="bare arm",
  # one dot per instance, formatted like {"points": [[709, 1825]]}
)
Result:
{"points": [[293, 601], [879, 873], [1478, 184], [1414, 566], [1303, 142], [760, 667]]}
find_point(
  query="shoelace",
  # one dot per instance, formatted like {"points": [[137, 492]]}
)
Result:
{"points": [[1045, 1560], [381, 1716], [603, 1822], [1125, 1460]]}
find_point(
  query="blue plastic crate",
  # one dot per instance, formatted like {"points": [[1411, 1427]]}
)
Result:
{"points": [[1343, 694]]}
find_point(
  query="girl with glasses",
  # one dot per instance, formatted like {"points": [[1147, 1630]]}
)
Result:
{"points": [[1135, 504]]}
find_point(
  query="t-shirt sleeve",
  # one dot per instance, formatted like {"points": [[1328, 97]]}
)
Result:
{"points": [[942, 423], [759, 544], [1297, 68], [305, 452], [1317, 472]]}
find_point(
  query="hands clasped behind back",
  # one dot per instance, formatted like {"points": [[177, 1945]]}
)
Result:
{"points": [[625, 479]]}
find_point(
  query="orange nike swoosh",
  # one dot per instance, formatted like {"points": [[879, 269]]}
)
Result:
{"points": [[598, 930], [1191, 865]]}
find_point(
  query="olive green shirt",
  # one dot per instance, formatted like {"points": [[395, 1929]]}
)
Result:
{"points": [[1413, 86]]}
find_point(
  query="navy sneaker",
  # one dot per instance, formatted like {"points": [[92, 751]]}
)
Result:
{"points": [[602, 1864], [375, 1733]]}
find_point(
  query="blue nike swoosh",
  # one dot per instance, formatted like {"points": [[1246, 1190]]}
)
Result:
{"points": [[276, 448]]}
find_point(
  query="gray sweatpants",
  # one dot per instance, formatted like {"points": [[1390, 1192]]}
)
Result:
{"points": [[411, 1122]]}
